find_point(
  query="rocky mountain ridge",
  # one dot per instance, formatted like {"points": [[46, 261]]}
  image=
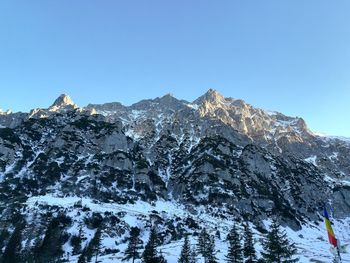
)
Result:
{"points": [[216, 156]]}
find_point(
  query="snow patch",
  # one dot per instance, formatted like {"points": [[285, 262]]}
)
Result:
{"points": [[133, 135], [312, 160], [193, 106], [136, 113]]}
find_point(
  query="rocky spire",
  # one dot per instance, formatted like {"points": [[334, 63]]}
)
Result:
{"points": [[63, 101]]}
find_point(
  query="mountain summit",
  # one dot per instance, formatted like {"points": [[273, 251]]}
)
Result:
{"points": [[211, 96], [63, 101]]}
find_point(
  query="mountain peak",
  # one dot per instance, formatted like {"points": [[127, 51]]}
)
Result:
{"points": [[63, 101], [212, 96], [167, 98], [168, 95]]}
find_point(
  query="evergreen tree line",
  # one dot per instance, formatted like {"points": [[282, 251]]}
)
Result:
{"points": [[277, 247], [150, 253], [48, 248]]}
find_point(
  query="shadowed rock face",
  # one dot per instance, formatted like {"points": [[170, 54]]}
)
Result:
{"points": [[215, 152]]}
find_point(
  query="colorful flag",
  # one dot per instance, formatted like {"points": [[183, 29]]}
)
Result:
{"points": [[331, 236]]}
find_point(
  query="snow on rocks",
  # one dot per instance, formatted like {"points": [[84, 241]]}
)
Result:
{"points": [[311, 240]]}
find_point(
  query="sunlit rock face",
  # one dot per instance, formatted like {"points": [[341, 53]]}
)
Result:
{"points": [[63, 101]]}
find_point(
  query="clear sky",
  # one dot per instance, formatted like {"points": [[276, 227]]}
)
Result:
{"points": [[291, 56]]}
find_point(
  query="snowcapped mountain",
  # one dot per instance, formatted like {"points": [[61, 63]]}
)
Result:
{"points": [[181, 166]]}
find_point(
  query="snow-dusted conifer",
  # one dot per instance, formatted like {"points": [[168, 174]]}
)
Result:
{"points": [[248, 247], [202, 242], [150, 254], [234, 254], [206, 247], [12, 250], [134, 244], [210, 253], [193, 255], [75, 242], [277, 247], [185, 255]]}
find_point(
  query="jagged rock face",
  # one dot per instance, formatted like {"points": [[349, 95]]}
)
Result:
{"points": [[217, 155], [12, 120], [235, 120], [78, 151], [150, 123], [62, 102], [249, 182], [210, 114]]}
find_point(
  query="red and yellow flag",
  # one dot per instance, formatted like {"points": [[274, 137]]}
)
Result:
{"points": [[331, 236]]}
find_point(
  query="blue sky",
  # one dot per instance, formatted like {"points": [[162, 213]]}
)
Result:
{"points": [[291, 56]]}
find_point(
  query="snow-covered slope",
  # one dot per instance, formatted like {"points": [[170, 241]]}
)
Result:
{"points": [[311, 239]]}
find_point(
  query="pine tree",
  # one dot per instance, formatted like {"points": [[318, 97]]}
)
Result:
{"points": [[193, 255], [93, 248], [277, 247], [12, 250], [75, 242], [134, 245], [82, 257], [210, 254], [206, 247], [185, 255], [150, 254], [202, 242], [234, 254], [32, 253], [248, 247], [50, 248], [4, 235], [161, 258]]}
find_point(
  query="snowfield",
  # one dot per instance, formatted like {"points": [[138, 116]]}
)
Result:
{"points": [[311, 240]]}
